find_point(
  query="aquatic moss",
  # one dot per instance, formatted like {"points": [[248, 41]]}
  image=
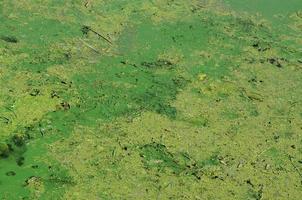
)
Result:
{"points": [[83, 119]]}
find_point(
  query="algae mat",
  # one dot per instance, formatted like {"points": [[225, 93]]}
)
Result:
{"points": [[155, 99]]}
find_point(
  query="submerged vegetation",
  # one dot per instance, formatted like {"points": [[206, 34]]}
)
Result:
{"points": [[153, 99]]}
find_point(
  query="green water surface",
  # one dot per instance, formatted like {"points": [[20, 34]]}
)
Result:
{"points": [[150, 99]]}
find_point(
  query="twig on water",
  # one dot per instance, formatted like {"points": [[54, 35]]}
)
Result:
{"points": [[294, 166], [85, 29], [91, 47]]}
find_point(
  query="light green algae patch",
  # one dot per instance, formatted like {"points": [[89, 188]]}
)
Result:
{"points": [[154, 99]]}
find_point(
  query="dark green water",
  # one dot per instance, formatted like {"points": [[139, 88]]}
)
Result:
{"points": [[267, 8]]}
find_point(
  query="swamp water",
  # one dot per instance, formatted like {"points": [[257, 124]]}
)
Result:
{"points": [[153, 99]]}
